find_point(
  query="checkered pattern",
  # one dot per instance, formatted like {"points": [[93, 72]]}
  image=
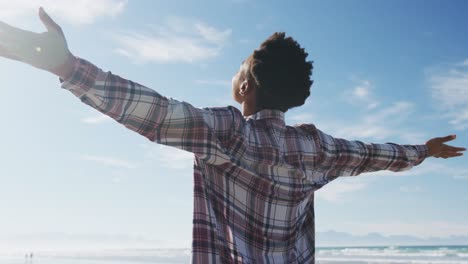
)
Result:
{"points": [[254, 177]]}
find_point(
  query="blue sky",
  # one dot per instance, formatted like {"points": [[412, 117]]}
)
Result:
{"points": [[384, 71]]}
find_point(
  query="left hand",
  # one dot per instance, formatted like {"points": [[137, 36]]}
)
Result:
{"points": [[438, 149], [47, 50]]}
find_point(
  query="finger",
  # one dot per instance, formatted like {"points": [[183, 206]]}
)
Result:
{"points": [[450, 154], [455, 155], [448, 138], [48, 22], [446, 147]]}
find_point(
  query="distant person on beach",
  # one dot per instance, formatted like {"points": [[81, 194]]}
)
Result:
{"points": [[254, 176], [28, 257]]}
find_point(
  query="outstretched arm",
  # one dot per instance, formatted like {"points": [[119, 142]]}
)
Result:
{"points": [[139, 108], [160, 119], [341, 157]]}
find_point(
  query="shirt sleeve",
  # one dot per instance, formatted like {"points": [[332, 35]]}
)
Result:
{"points": [[341, 157], [163, 120]]}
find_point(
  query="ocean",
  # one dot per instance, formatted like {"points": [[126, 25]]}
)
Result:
{"points": [[393, 255], [328, 255]]}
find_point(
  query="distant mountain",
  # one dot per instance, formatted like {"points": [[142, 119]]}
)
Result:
{"points": [[334, 239]]}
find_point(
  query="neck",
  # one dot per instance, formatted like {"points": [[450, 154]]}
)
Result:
{"points": [[248, 109]]}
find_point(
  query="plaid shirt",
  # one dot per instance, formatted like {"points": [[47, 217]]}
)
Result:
{"points": [[254, 177]]}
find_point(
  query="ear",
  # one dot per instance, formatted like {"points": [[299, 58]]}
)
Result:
{"points": [[244, 87], [247, 86]]}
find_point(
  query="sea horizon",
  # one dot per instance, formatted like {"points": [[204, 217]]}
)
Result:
{"points": [[433, 254]]}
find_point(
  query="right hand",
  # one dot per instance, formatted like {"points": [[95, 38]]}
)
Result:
{"points": [[439, 150], [47, 50]]}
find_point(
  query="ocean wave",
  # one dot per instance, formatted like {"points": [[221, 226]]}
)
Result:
{"points": [[398, 252], [389, 260]]}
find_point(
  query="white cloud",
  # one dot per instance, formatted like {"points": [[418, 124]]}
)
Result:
{"points": [[73, 11], [380, 124], [304, 118], [96, 119], [411, 189], [461, 177], [168, 157], [110, 161], [361, 94], [397, 109], [372, 105], [362, 130], [177, 40], [214, 82], [211, 34], [464, 63], [224, 100], [362, 91], [338, 191], [459, 119], [449, 88]]}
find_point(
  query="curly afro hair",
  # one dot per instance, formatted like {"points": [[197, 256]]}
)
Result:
{"points": [[281, 73]]}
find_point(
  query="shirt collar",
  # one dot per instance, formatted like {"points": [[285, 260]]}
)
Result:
{"points": [[268, 113]]}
